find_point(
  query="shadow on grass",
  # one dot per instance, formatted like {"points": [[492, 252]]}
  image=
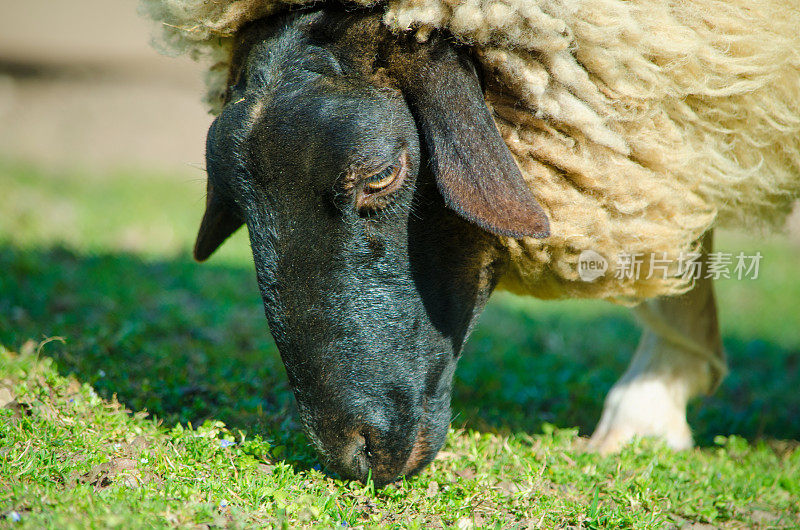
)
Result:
{"points": [[189, 342]]}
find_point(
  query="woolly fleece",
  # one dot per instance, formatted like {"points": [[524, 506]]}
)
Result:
{"points": [[638, 124]]}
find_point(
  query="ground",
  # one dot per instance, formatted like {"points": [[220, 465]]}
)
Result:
{"points": [[103, 312]]}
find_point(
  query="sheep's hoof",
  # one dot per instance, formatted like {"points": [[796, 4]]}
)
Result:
{"points": [[641, 409]]}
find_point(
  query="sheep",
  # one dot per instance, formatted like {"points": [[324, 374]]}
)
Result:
{"points": [[638, 125], [634, 128]]}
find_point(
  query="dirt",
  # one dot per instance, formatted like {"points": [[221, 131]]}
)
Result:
{"points": [[103, 123], [80, 85], [123, 470], [6, 396]]}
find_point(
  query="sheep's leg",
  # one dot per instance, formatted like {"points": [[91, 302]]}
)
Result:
{"points": [[679, 356]]}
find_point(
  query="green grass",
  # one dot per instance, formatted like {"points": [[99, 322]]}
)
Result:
{"points": [[103, 261]]}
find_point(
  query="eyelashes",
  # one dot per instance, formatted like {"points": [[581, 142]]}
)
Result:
{"points": [[382, 180], [375, 189]]}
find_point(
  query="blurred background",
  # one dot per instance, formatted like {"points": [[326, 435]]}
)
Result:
{"points": [[101, 189], [80, 85]]}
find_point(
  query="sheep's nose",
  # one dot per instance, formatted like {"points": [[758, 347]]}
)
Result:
{"points": [[381, 450], [371, 453]]}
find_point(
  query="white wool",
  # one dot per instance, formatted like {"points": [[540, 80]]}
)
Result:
{"points": [[639, 124]]}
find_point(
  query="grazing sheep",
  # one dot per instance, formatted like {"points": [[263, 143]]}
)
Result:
{"points": [[622, 128]]}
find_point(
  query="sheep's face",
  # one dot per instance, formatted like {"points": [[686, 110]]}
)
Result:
{"points": [[373, 256]]}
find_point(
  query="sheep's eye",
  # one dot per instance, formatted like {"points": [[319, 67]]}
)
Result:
{"points": [[381, 184], [382, 180]]}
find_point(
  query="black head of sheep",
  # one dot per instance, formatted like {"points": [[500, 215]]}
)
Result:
{"points": [[373, 183]]}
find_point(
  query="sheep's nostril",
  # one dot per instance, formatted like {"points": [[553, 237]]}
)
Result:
{"points": [[368, 443]]}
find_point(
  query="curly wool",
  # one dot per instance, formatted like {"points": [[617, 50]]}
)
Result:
{"points": [[639, 124]]}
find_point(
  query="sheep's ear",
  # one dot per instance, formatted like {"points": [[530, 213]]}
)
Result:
{"points": [[223, 160], [218, 223], [474, 169]]}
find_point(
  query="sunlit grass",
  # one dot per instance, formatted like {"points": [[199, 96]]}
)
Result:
{"points": [[104, 262]]}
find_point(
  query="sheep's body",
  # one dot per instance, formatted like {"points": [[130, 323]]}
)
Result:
{"points": [[638, 124]]}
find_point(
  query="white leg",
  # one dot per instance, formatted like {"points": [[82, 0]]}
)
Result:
{"points": [[679, 356]]}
